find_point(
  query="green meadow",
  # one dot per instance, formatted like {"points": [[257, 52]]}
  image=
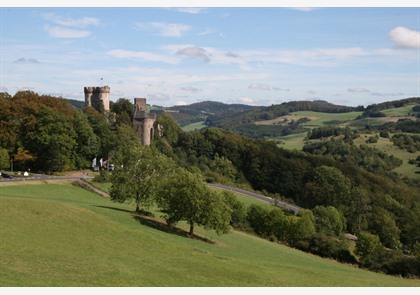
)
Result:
{"points": [[62, 235]]}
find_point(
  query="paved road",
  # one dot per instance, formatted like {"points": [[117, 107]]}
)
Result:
{"points": [[295, 209], [41, 177]]}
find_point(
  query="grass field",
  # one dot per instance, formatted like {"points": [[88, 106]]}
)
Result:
{"points": [[62, 235], [194, 126]]}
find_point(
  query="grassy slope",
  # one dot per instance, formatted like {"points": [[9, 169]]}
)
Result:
{"points": [[194, 126], [60, 235]]}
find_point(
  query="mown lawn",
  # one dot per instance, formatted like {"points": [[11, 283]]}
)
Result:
{"points": [[62, 235]]}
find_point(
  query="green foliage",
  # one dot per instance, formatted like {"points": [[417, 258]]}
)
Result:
{"points": [[328, 187], [411, 143], [103, 177], [170, 129], [367, 244], [366, 157], [87, 145], [384, 225], [52, 140], [372, 139], [185, 196], [4, 159], [124, 111], [329, 221], [136, 175], [239, 212], [327, 246], [275, 225]]}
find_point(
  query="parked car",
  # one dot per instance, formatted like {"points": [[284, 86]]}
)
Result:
{"points": [[5, 175]]}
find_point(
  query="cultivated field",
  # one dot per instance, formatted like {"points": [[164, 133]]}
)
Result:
{"points": [[62, 235]]}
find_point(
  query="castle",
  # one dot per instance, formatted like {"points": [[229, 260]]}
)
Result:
{"points": [[143, 122], [98, 98]]}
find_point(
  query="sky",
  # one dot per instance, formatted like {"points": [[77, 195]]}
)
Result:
{"points": [[252, 55]]}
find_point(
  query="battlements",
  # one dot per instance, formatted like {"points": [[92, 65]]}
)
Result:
{"points": [[97, 97], [103, 89]]}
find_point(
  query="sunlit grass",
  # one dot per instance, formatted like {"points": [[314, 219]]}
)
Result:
{"points": [[61, 235]]}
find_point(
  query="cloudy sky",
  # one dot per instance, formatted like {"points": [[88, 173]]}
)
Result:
{"points": [[254, 55]]}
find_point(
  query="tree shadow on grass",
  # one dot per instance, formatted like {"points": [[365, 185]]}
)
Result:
{"points": [[156, 224], [114, 208]]}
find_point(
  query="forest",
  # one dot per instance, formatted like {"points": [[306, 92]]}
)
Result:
{"points": [[345, 188]]}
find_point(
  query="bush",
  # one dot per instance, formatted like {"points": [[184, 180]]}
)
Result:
{"points": [[102, 177], [324, 246]]}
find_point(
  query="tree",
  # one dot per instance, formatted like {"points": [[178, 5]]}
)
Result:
{"points": [[384, 225], [4, 159], [329, 220], [51, 139], [367, 244], [136, 175], [329, 187], [184, 196], [170, 129], [87, 142], [101, 129], [300, 227], [124, 110]]}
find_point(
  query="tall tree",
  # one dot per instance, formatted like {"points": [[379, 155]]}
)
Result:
{"points": [[52, 139], [184, 196]]}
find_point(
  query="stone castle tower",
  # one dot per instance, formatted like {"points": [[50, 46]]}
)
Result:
{"points": [[143, 121], [97, 96]]}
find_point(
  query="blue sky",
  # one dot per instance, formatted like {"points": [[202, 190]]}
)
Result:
{"points": [[256, 55]]}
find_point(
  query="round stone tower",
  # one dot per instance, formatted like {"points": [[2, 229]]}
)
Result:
{"points": [[97, 97]]}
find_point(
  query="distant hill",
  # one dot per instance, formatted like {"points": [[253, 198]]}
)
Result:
{"points": [[76, 103], [198, 112]]}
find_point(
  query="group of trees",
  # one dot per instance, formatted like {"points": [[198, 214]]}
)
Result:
{"points": [[145, 176], [47, 134], [367, 196]]}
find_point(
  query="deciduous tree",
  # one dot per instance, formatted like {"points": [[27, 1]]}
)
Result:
{"points": [[184, 196]]}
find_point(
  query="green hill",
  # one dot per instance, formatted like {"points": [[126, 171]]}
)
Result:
{"points": [[62, 235]]}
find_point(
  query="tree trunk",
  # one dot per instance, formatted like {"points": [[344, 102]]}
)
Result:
{"points": [[191, 230], [137, 208]]}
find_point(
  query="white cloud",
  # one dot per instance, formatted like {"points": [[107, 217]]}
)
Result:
{"points": [[245, 100], [71, 22], [358, 90], [60, 32], [305, 9], [142, 55], [405, 38], [165, 29], [192, 10], [259, 86], [312, 92], [191, 89], [195, 52]]}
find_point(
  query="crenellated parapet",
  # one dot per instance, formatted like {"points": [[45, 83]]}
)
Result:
{"points": [[97, 97]]}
